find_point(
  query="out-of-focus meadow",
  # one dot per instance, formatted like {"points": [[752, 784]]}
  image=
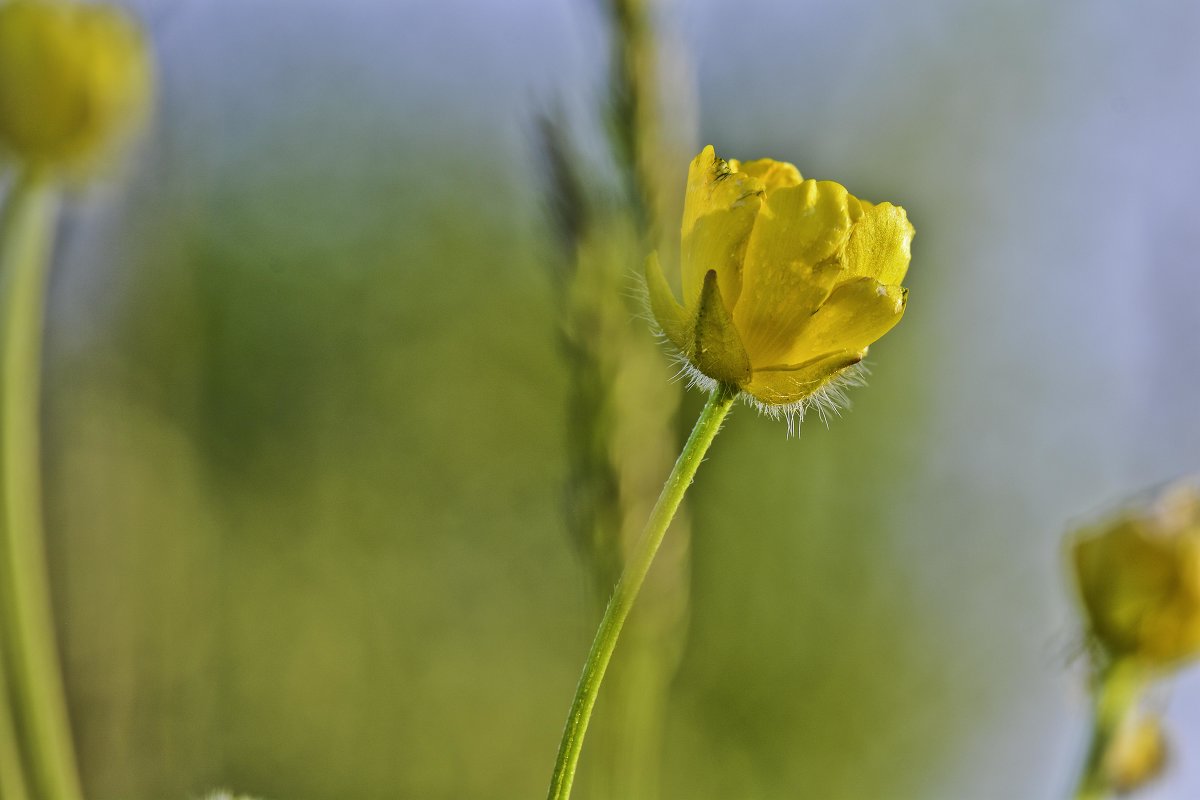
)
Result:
{"points": [[305, 402]]}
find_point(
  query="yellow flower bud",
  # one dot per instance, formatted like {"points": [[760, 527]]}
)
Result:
{"points": [[786, 281], [1137, 755], [74, 77], [1139, 580]]}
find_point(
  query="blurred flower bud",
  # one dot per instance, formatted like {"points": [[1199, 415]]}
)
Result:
{"points": [[74, 79], [1137, 755], [1139, 579]]}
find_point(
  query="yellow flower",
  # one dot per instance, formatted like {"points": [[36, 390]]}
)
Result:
{"points": [[1139, 580], [73, 78], [1137, 755], [786, 281]]}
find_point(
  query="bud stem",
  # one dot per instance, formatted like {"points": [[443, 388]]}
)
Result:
{"points": [[1114, 695], [27, 643], [636, 567]]}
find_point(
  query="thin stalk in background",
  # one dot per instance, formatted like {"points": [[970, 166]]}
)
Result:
{"points": [[622, 405], [621, 440], [629, 762], [636, 567], [633, 116], [35, 679]]}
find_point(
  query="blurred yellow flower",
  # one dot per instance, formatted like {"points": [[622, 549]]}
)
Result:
{"points": [[1139, 580], [1137, 755], [74, 77], [786, 281]]}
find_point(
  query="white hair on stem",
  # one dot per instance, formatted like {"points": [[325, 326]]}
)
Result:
{"points": [[828, 401]]}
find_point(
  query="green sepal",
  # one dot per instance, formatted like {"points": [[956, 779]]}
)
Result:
{"points": [[718, 351]]}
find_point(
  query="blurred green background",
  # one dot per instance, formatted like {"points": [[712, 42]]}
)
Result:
{"points": [[305, 414]]}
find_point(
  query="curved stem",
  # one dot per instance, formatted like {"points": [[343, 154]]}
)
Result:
{"points": [[636, 567], [1114, 696], [27, 625]]}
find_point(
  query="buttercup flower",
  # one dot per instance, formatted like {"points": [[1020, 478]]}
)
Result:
{"points": [[73, 78], [1138, 754], [786, 281], [1139, 580]]}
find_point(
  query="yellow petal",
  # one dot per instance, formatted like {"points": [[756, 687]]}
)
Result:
{"points": [[671, 316], [714, 186], [856, 314], [807, 222], [794, 383], [777, 304], [718, 214], [773, 174], [718, 351], [880, 244], [785, 275], [717, 241]]}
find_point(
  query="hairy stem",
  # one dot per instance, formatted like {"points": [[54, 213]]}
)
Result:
{"points": [[636, 567], [26, 620]]}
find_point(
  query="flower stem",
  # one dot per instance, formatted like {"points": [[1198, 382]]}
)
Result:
{"points": [[1116, 692], [26, 620], [636, 567]]}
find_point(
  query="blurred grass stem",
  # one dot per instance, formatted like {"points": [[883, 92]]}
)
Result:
{"points": [[634, 105], [34, 679], [1116, 692], [636, 567]]}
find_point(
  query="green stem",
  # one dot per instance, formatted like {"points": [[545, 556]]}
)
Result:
{"points": [[636, 567], [1114, 696], [26, 229]]}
